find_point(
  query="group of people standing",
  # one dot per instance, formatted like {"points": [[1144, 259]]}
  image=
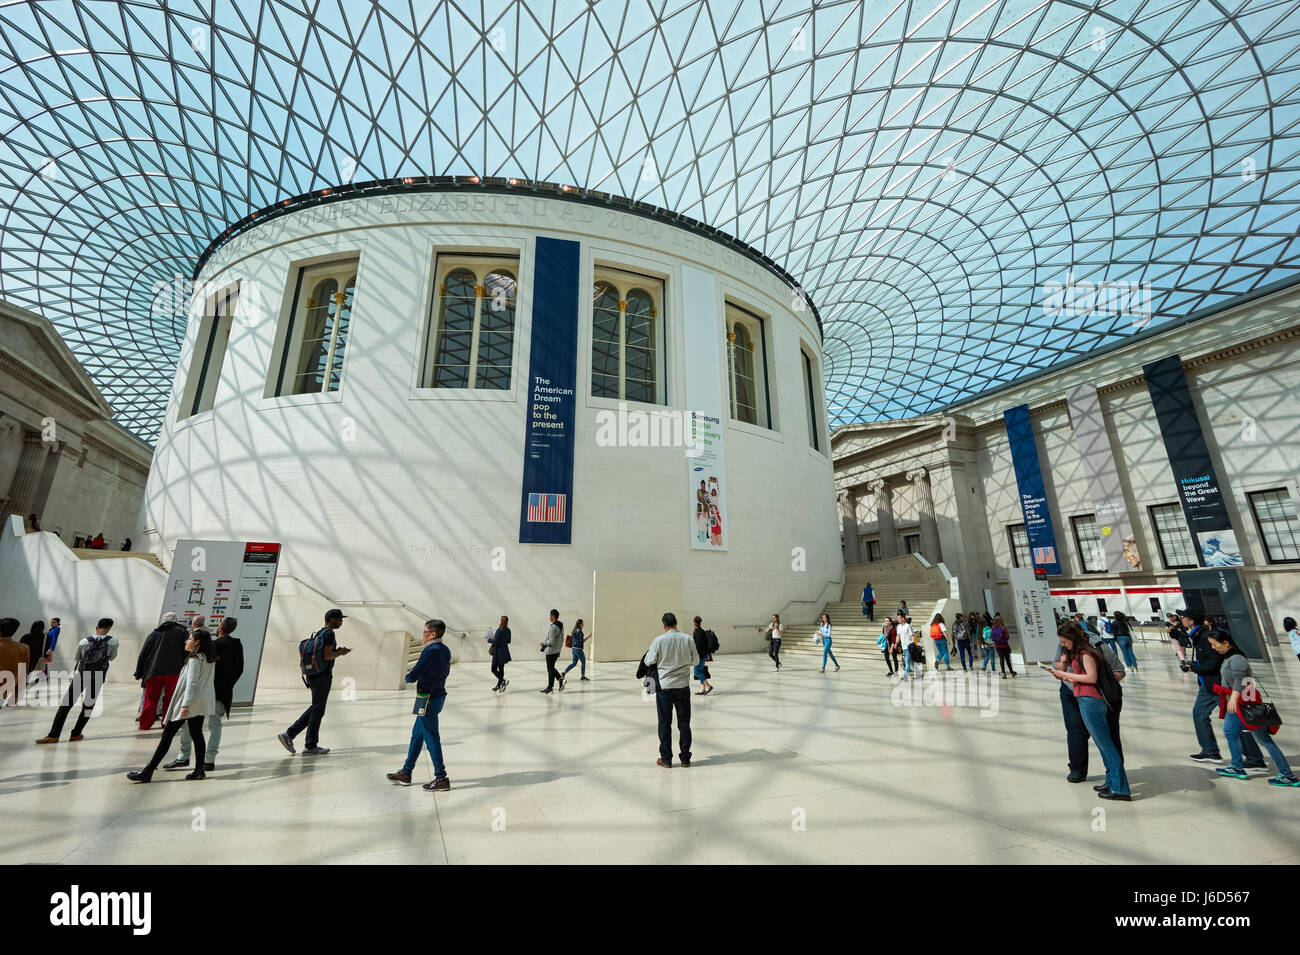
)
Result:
{"points": [[904, 652]]}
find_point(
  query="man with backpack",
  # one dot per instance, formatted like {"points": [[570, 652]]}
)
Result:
{"points": [[317, 655], [706, 642], [89, 671]]}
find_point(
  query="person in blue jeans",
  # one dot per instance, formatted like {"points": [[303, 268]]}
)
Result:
{"points": [[430, 678], [825, 630], [577, 641], [1237, 685], [1206, 666], [1080, 666], [1124, 637]]}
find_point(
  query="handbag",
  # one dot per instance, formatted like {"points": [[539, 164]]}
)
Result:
{"points": [[568, 641], [1259, 712]]}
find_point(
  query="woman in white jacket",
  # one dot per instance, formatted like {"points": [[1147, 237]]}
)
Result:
{"points": [[195, 698]]}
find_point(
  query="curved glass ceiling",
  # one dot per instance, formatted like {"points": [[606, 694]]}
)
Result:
{"points": [[970, 191]]}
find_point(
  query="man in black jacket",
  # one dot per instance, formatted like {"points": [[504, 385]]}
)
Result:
{"points": [[1206, 667], [701, 638], [159, 664], [230, 667]]}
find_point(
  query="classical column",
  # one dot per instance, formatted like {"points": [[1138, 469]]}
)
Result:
{"points": [[31, 465], [11, 450], [925, 505], [848, 500], [885, 518]]}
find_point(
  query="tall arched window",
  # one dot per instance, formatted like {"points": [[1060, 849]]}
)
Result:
{"points": [[316, 332], [747, 367], [627, 338], [473, 326]]}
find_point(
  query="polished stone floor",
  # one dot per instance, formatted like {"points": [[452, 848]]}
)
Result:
{"points": [[798, 766]]}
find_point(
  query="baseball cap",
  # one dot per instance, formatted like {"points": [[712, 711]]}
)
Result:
{"points": [[336, 612]]}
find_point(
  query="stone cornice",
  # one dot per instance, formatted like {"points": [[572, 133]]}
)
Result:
{"points": [[11, 365]]}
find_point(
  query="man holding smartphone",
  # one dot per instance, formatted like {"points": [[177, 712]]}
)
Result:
{"points": [[319, 682]]}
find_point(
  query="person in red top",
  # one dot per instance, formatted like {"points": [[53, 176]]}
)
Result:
{"points": [[98, 542], [939, 634]]}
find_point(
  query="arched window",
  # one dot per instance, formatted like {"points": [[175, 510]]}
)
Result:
{"points": [[747, 367], [315, 335], [473, 330], [626, 338]]}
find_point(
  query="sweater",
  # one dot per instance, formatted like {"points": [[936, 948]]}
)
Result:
{"points": [[194, 689]]}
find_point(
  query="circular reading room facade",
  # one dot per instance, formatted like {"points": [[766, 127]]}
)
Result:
{"points": [[471, 399]]}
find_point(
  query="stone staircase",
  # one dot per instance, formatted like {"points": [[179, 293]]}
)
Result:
{"points": [[853, 635], [86, 553]]}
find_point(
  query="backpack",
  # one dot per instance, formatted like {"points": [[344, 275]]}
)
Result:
{"points": [[311, 654], [713, 641], [1109, 687], [95, 656], [986, 635]]}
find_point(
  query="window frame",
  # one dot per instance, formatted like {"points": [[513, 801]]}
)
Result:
{"points": [[288, 346], [1160, 541], [736, 314], [623, 280], [1259, 525], [481, 262], [808, 371], [908, 548], [873, 546], [1011, 543], [1100, 552], [208, 358]]}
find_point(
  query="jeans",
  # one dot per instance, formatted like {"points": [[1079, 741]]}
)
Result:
{"points": [[965, 654], [1207, 704], [1093, 712], [774, 651], [578, 657], [990, 659], [907, 661], [1076, 733], [214, 736], [826, 652], [1126, 647], [666, 701], [1237, 734], [869, 609], [89, 681], [311, 717], [195, 724], [552, 674], [425, 733], [701, 671], [941, 652], [1004, 660]]}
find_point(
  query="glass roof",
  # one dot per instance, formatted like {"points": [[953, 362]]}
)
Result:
{"points": [[971, 192]]}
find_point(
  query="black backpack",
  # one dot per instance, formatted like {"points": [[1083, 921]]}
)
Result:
{"points": [[95, 656], [311, 653], [713, 640], [1109, 687]]}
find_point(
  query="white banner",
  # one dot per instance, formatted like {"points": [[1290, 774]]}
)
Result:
{"points": [[219, 579], [707, 413], [1032, 602]]}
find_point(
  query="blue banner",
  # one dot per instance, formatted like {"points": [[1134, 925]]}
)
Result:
{"points": [[1033, 494], [546, 501]]}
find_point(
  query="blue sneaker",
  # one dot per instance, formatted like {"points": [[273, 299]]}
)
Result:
{"points": [[1280, 780], [1232, 772]]}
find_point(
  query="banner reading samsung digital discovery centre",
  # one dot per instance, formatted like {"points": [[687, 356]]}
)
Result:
{"points": [[546, 505], [706, 475], [1033, 495], [1189, 459], [1116, 531], [219, 579]]}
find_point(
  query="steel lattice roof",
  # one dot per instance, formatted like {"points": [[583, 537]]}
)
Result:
{"points": [[924, 169]]}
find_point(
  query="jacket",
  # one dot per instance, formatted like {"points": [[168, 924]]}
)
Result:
{"points": [[1208, 661], [554, 640], [230, 667], [195, 689], [701, 638], [430, 671], [163, 653], [501, 645], [12, 656]]}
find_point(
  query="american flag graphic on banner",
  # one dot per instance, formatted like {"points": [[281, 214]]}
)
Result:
{"points": [[546, 508]]}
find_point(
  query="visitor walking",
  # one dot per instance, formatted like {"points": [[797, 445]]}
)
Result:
{"points": [[159, 665], [773, 633], [939, 634], [888, 644], [550, 646], [1002, 644], [230, 667], [1076, 731], [912, 653], [961, 633], [1177, 636], [89, 671], [1236, 689], [869, 601], [986, 644], [673, 653], [430, 678], [194, 699], [575, 641], [37, 644], [499, 641], [705, 652], [55, 628], [1206, 666], [316, 656], [824, 631], [1094, 688], [1123, 633]]}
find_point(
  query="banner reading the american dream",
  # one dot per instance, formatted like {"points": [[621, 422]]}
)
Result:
{"points": [[1033, 495], [546, 505], [1189, 459], [1113, 526]]}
